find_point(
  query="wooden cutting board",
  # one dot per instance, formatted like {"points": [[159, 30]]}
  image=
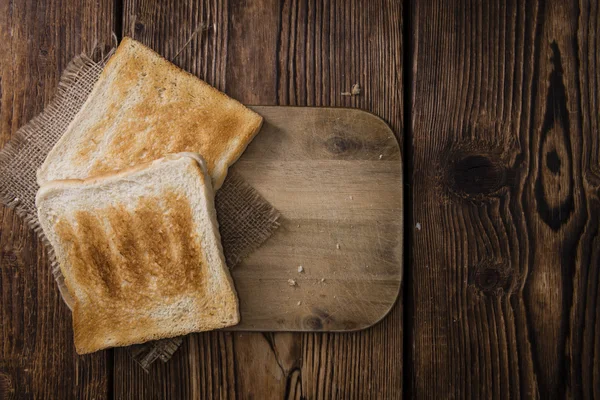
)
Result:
{"points": [[336, 177]]}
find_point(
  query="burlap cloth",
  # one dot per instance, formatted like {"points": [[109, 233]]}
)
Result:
{"points": [[246, 219]]}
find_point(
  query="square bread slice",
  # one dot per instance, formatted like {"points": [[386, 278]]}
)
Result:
{"points": [[142, 108], [140, 252]]}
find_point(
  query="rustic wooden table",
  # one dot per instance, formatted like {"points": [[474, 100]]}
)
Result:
{"points": [[498, 107]]}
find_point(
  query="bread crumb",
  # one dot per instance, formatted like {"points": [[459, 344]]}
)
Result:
{"points": [[351, 198], [355, 91], [337, 246], [300, 269], [322, 280], [292, 282], [299, 303], [298, 225], [380, 156]]}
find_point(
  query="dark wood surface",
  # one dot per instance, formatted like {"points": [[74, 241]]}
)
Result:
{"points": [[37, 357], [502, 99], [505, 154]]}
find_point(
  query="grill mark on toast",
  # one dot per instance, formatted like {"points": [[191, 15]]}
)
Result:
{"points": [[91, 261], [152, 245], [185, 239], [130, 247], [156, 241]]}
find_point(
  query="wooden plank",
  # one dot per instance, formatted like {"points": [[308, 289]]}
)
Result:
{"points": [[37, 358], [506, 178], [336, 177], [268, 52]]}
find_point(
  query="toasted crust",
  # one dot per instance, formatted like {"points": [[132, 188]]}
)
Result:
{"points": [[144, 107], [140, 252]]}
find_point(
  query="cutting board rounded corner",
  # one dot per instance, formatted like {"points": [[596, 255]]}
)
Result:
{"points": [[336, 176], [376, 119], [269, 111], [383, 316]]}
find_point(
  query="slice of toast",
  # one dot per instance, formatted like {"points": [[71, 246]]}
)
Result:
{"points": [[140, 252], [142, 108]]}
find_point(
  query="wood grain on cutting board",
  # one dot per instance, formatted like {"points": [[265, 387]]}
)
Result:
{"points": [[336, 177]]}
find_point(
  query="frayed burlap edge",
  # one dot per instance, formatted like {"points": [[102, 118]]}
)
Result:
{"points": [[144, 354], [78, 67], [251, 219]]}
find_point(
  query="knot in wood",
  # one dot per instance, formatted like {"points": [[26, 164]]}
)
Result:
{"points": [[139, 27], [553, 162], [6, 388], [339, 145], [314, 323], [9, 259], [476, 175], [491, 279]]}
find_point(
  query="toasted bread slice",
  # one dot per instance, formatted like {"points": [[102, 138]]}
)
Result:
{"points": [[140, 252], [142, 108]]}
